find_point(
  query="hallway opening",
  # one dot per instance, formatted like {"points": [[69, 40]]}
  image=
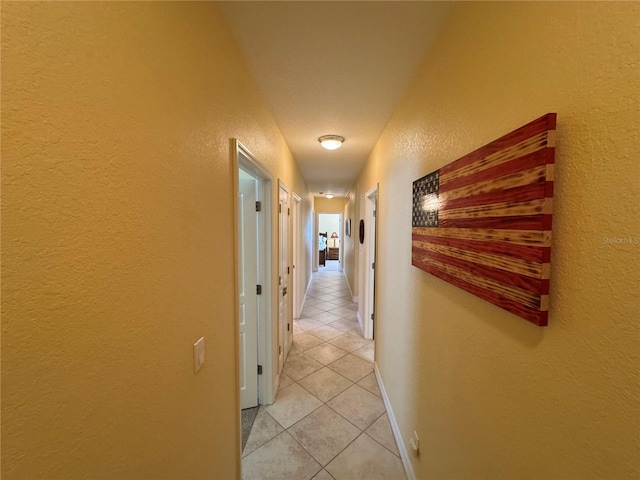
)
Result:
{"points": [[328, 419], [330, 240]]}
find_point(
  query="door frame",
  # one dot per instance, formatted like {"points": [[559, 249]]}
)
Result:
{"points": [[285, 337], [370, 242], [295, 233], [243, 158]]}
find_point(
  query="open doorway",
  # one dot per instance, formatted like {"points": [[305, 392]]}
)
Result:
{"points": [[254, 322], [368, 238], [330, 241]]}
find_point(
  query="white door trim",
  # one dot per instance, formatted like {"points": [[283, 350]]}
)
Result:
{"points": [[242, 157]]}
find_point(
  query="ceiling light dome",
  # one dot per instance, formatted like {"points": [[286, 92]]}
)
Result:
{"points": [[331, 142]]}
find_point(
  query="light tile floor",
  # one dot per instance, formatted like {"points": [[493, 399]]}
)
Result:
{"points": [[328, 420]]}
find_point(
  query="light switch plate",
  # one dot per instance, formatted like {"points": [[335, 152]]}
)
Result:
{"points": [[198, 355]]}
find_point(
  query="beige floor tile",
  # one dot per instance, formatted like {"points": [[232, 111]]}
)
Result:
{"points": [[352, 367], [335, 285], [327, 297], [285, 380], [344, 312], [340, 293], [280, 458], [305, 340], [325, 384], [299, 366], [264, 429], [326, 332], [339, 302], [349, 341], [312, 302], [345, 325], [324, 434], [357, 405], [366, 353], [306, 324], [365, 459], [325, 306], [381, 432], [370, 382], [310, 311], [295, 350], [292, 404], [325, 353], [326, 317], [323, 475]]}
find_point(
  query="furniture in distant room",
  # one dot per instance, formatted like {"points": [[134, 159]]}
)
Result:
{"points": [[322, 246], [333, 254]]}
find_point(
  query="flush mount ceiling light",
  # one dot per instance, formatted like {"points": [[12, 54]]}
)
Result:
{"points": [[331, 142], [329, 195]]}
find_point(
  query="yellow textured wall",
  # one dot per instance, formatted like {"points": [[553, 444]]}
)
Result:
{"points": [[117, 227], [491, 395], [328, 205]]}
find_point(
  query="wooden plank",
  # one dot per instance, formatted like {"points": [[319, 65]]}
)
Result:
{"points": [[538, 317], [521, 222], [528, 253], [518, 165], [532, 129], [522, 178], [475, 258], [518, 237]]}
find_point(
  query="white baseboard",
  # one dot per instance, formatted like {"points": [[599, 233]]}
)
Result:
{"points": [[402, 448], [304, 298], [360, 321], [355, 299], [348, 285]]}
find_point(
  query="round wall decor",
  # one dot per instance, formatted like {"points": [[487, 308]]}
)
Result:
{"points": [[361, 231]]}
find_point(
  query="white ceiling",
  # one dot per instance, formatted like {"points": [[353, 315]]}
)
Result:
{"points": [[331, 67]]}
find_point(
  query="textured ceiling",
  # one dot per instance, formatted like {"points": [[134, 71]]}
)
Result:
{"points": [[333, 68]]}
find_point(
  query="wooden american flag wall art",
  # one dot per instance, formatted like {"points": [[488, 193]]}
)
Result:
{"points": [[483, 222]]}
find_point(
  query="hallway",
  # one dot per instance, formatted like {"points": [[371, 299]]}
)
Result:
{"points": [[328, 420]]}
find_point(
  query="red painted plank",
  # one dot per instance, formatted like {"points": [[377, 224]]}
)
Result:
{"points": [[548, 191], [527, 222], [528, 283], [520, 164], [546, 122], [525, 252], [537, 317], [517, 194]]}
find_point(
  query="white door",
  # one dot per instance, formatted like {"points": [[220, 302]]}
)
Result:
{"points": [[370, 259], [248, 279], [285, 336]]}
